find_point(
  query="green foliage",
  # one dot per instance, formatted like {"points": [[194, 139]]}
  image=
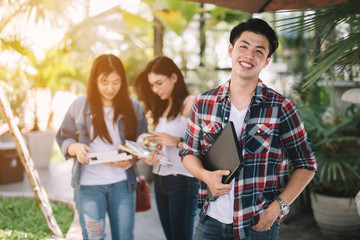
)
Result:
{"points": [[55, 12], [340, 56], [16, 45], [188, 9], [66, 65], [21, 218], [134, 22], [336, 140], [220, 14], [15, 88], [176, 15], [335, 137], [338, 53]]}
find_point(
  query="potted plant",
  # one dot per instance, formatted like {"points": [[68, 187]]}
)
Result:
{"points": [[336, 140]]}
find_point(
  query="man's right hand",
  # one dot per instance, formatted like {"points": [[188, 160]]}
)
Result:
{"points": [[213, 180]]}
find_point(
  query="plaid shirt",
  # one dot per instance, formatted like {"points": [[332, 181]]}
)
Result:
{"points": [[272, 133]]}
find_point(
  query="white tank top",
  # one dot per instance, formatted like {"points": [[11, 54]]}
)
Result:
{"points": [[175, 127], [222, 208]]}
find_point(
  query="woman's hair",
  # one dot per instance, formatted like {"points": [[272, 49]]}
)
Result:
{"points": [[122, 104], [164, 66]]}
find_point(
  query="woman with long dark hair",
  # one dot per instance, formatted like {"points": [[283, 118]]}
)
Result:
{"points": [[98, 122], [162, 89]]}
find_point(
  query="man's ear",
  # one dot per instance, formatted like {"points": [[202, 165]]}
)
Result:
{"points": [[267, 61], [230, 49]]}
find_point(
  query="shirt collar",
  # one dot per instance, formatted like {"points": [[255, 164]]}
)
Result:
{"points": [[223, 91], [260, 93]]}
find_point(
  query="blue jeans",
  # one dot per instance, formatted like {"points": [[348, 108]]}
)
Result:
{"points": [[176, 200], [92, 204], [212, 229]]}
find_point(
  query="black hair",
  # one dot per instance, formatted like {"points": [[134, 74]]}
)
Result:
{"points": [[257, 26]]}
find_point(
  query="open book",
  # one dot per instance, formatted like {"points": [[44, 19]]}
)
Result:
{"points": [[108, 156], [143, 148]]}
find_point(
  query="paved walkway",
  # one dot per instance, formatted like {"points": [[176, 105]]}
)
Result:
{"points": [[56, 181]]}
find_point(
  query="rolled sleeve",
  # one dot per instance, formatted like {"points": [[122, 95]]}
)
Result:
{"points": [[294, 138]]}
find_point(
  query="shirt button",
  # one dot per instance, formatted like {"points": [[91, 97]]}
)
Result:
{"points": [[235, 219], [226, 118], [258, 131]]}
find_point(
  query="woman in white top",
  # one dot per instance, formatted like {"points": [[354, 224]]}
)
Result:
{"points": [[161, 87], [98, 122]]}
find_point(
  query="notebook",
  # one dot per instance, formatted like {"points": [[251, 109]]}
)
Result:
{"points": [[224, 154]]}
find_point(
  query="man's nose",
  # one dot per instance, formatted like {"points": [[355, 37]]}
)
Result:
{"points": [[250, 54]]}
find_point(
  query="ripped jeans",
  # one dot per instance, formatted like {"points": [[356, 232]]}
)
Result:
{"points": [[92, 204]]}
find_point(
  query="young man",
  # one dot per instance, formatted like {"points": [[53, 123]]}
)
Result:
{"points": [[270, 134]]}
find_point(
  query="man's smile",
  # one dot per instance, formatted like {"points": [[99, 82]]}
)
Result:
{"points": [[245, 64]]}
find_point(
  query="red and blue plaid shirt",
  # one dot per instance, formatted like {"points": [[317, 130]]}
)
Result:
{"points": [[272, 134]]}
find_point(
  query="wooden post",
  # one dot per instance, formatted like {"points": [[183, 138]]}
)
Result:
{"points": [[31, 172]]}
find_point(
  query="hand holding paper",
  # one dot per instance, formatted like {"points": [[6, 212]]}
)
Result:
{"points": [[153, 159], [163, 139], [143, 148]]}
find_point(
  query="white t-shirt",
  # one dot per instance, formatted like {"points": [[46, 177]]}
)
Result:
{"points": [[101, 174], [222, 208]]}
